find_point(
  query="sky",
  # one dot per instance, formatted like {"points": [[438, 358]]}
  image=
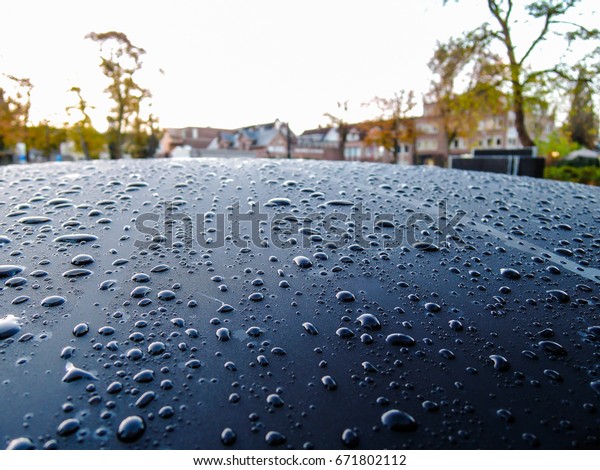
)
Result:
{"points": [[232, 63]]}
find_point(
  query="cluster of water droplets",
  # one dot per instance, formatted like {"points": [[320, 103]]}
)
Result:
{"points": [[482, 336]]}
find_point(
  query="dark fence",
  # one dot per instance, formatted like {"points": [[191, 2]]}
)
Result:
{"points": [[520, 162]]}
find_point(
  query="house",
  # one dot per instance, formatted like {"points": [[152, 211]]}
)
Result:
{"points": [[270, 140], [322, 143], [189, 141]]}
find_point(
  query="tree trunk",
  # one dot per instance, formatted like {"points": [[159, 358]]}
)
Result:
{"points": [[524, 137]]}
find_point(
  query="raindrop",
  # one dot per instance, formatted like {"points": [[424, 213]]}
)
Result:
{"points": [[310, 328], [345, 296], [510, 273], [228, 437], [131, 429], [400, 339], [397, 420], [303, 262], [274, 438], [223, 334], [68, 427], [81, 329], [9, 326], [369, 321], [500, 362]]}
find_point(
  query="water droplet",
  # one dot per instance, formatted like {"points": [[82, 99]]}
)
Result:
{"points": [[397, 420], [447, 354], [81, 329], [15, 282], [510, 273], [310, 328], [156, 348], [9, 326], [223, 334], [274, 438], [9, 270], [432, 307], [424, 246], [68, 427], [553, 348], [131, 429], [344, 332], [400, 339], [369, 321], [329, 382], [53, 301], [350, 438], [303, 262], [228, 437], [275, 400], [161, 268], [553, 375], [76, 238], [140, 291], [559, 295], [114, 388], [34, 220], [82, 260], [74, 373], [144, 376], [506, 415], [254, 331], [140, 277], [21, 443], [430, 406], [145, 399], [500, 362], [345, 296], [279, 201]]}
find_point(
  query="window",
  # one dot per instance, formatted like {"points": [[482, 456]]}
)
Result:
{"points": [[499, 142], [194, 133], [489, 142]]}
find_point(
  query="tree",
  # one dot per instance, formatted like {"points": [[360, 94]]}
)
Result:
{"points": [[45, 138], [582, 122], [557, 144], [88, 140], [145, 137], [466, 84], [341, 123], [394, 123], [120, 60], [14, 111], [550, 18]]}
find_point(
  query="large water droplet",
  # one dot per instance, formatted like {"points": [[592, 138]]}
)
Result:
{"points": [[397, 420], [131, 429]]}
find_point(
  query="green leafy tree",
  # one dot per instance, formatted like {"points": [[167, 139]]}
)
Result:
{"points": [[120, 60], [45, 138], [394, 123], [550, 18], [145, 136], [14, 111], [557, 144], [466, 84], [87, 139], [582, 122]]}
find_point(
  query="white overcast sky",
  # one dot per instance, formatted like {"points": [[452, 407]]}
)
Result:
{"points": [[232, 63]]}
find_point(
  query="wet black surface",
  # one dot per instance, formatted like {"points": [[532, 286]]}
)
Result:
{"points": [[486, 336]]}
